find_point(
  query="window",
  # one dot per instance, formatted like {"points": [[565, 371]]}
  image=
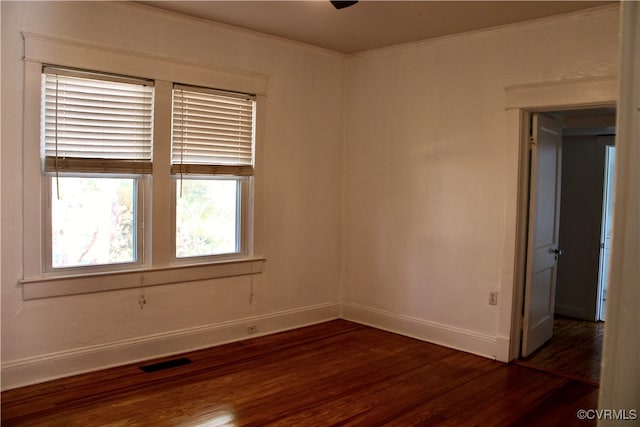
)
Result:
{"points": [[96, 148], [112, 198], [212, 163]]}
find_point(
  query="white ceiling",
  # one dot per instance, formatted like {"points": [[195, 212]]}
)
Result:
{"points": [[369, 24]]}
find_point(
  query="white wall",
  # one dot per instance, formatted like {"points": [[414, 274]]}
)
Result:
{"points": [[416, 228], [298, 224], [430, 172]]}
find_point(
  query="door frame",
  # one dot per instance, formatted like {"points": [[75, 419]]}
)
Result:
{"points": [[521, 102], [607, 216]]}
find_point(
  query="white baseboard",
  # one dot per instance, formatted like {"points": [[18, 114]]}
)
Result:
{"points": [[51, 366], [575, 312], [459, 339], [63, 364], [503, 349]]}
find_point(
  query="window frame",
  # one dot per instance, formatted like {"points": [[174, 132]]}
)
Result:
{"points": [[110, 167], [239, 168], [158, 267]]}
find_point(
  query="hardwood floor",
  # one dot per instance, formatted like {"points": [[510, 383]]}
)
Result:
{"points": [[335, 373], [575, 350]]}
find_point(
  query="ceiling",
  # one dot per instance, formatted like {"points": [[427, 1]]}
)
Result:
{"points": [[590, 121], [369, 24]]}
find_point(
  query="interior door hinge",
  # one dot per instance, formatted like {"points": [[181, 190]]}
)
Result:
{"points": [[531, 143]]}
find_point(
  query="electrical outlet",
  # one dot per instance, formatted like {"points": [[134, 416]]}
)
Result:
{"points": [[493, 298], [252, 329], [141, 301]]}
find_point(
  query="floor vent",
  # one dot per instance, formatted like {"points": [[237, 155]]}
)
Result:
{"points": [[166, 365]]}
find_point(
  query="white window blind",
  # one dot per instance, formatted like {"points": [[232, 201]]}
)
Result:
{"points": [[96, 123], [213, 132]]}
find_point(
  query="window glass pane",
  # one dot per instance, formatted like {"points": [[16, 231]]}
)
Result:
{"points": [[93, 221], [206, 217]]}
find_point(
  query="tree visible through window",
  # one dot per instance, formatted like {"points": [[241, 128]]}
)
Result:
{"points": [[93, 221], [207, 217]]}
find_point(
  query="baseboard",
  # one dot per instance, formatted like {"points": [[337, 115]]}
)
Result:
{"points": [[503, 349], [576, 313], [458, 339], [63, 364], [51, 366]]}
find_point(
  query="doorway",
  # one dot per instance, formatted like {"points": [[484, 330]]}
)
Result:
{"points": [[571, 167]]}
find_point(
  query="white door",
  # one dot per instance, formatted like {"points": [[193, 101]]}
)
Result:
{"points": [[544, 221]]}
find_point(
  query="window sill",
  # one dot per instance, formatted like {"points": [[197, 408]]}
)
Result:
{"points": [[48, 287]]}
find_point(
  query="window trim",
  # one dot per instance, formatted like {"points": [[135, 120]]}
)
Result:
{"points": [[48, 287], [69, 53]]}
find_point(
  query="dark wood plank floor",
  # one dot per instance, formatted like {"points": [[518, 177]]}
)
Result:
{"points": [[335, 373], [575, 350]]}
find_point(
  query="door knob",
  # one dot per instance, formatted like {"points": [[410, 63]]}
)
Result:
{"points": [[557, 253]]}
